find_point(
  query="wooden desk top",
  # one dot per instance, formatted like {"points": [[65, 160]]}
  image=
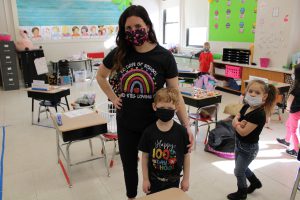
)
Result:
{"points": [[71, 60], [188, 72], [51, 91], [200, 98], [276, 84], [172, 193], [79, 122]]}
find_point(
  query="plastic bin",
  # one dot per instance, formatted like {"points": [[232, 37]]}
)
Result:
{"points": [[80, 76], [5, 37], [264, 62], [233, 71], [220, 71]]}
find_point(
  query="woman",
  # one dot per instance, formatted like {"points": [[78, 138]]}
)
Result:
{"points": [[139, 67]]}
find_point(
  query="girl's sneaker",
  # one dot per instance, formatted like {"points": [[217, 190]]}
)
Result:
{"points": [[292, 152], [282, 141]]}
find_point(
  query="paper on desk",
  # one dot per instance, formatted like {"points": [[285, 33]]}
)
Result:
{"points": [[41, 65], [77, 113]]}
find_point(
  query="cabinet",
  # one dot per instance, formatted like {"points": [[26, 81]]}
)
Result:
{"points": [[8, 65], [271, 75], [26, 61], [226, 82]]}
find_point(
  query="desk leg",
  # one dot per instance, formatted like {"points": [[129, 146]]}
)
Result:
{"points": [[57, 73], [296, 184], [32, 110], [67, 102], [217, 109], [196, 129], [69, 163], [283, 102], [85, 65], [57, 146], [91, 65]]}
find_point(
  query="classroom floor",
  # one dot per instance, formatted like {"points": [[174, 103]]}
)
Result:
{"points": [[31, 171]]}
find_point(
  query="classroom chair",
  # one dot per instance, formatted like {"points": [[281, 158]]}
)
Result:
{"points": [[64, 69], [108, 111], [47, 105], [206, 115], [96, 58]]}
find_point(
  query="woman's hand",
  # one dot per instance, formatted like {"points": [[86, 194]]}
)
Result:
{"points": [[191, 138], [117, 102]]}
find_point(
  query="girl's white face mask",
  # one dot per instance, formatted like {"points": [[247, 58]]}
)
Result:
{"points": [[253, 101]]}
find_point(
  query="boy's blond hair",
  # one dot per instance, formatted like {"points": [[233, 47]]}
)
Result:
{"points": [[167, 95], [206, 44]]}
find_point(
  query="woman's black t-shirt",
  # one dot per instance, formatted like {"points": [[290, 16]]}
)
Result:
{"points": [[258, 117], [143, 74]]}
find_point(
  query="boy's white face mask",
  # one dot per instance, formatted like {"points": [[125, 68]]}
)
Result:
{"points": [[253, 101]]}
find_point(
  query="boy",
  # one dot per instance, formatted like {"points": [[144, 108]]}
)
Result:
{"points": [[206, 60], [164, 147]]}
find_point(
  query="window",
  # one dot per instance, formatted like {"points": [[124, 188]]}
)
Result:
{"points": [[196, 37], [171, 26]]}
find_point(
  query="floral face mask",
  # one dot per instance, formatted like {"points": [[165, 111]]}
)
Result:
{"points": [[137, 37]]}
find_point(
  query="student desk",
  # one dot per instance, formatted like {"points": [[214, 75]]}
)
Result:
{"points": [[87, 62], [75, 129], [172, 194], [53, 95], [200, 103], [185, 74]]}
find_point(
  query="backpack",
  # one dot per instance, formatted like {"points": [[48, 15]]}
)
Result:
{"points": [[221, 140]]}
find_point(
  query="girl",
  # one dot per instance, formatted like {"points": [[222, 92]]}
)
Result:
{"points": [[293, 107], [259, 102]]}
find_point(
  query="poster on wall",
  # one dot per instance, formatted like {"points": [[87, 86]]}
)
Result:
{"points": [[232, 21], [76, 19]]}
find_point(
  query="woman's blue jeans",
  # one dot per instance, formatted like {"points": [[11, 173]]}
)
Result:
{"points": [[245, 153]]}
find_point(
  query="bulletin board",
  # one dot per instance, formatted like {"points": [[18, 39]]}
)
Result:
{"points": [[232, 20], [67, 12], [70, 19]]}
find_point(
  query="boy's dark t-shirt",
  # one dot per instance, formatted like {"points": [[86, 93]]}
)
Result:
{"points": [[258, 117], [166, 149], [295, 106], [143, 74]]}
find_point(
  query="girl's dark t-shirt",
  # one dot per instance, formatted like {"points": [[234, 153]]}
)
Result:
{"points": [[258, 117], [295, 106], [143, 74]]}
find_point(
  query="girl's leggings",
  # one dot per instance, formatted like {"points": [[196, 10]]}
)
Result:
{"points": [[291, 130]]}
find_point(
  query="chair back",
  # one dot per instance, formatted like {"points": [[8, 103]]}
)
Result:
{"points": [[63, 66], [108, 111], [95, 55]]}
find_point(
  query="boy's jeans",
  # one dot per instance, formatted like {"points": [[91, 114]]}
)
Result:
{"points": [[245, 153]]}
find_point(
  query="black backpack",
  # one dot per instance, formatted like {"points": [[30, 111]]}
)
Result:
{"points": [[222, 138]]}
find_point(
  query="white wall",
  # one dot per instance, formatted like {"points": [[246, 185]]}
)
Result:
{"points": [[7, 24], [272, 33], [294, 43], [153, 9]]}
